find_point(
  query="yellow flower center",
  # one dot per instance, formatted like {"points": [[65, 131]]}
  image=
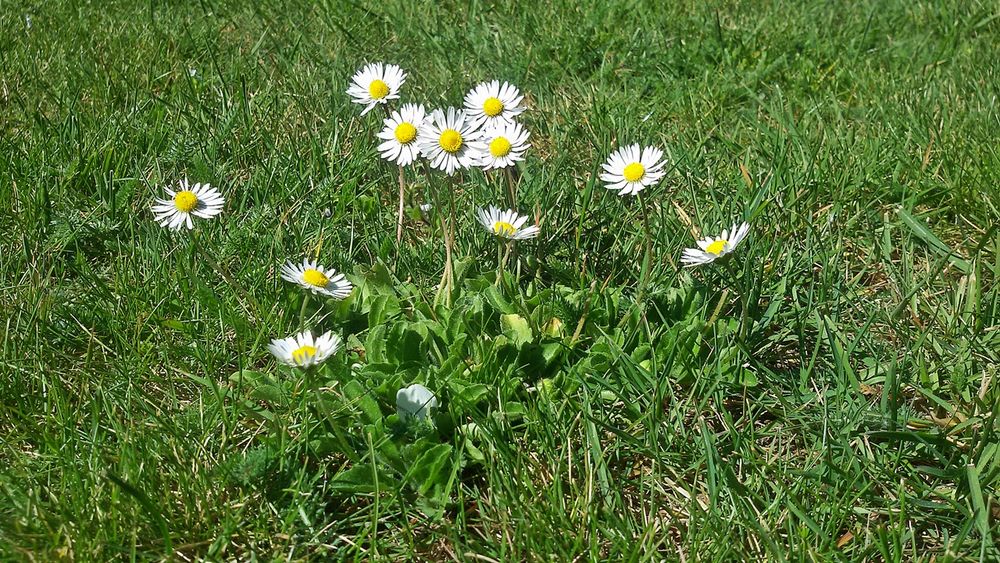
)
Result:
{"points": [[716, 247], [634, 172], [405, 133], [315, 277], [304, 353], [378, 89], [500, 147], [503, 228], [492, 106], [185, 201], [450, 140]]}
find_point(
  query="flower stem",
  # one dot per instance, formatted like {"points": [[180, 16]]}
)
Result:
{"points": [[302, 311], [399, 216], [223, 273], [511, 187], [310, 386], [503, 254], [499, 264], [647, 261], [235, 283], [737, 284], [451, 239], [444, 287]]}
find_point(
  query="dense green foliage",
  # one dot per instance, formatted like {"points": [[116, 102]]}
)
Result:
{"points": [[830, 396]]}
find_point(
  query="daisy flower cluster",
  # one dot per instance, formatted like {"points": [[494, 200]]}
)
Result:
{"points": [[484, 133]]}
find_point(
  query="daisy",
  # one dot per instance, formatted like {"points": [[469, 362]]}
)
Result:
{"points": [[449, 141], [630, 171], [503, 146], [316, 278], [506, 224], [711, 249], [400, 134], [415, 401], [303, 350], [489, 104], [376, 84], [200, 200]]}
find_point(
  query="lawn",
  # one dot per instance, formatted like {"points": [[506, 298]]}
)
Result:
{"points": [[827, 391]]}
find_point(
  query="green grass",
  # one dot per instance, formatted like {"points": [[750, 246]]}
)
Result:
{"points": [[852, 416]]}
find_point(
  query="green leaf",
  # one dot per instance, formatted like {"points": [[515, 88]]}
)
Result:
{"points": [[430, 473], [250, 377], [496, 299], [552, 352], [978, 503], [173, 324], [257, 412], [465, 393], [554, 328], [377, 313], [270, 393], [405, 343], [920, 230], [516, 328], [640, 353], [375, 345], [514, 410], [457, 348], [474, 453], [452, 365], [361, 479], [358, 396]]}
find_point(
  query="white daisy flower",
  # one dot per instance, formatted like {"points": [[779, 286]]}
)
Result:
{"points": [[200, 200], [489, 104], [415, 401], [302, 350], [400, 134], [316, 278], [711, 249], [506, 223], [450, 141], [503, 146], [376, 84], [630, 170]]}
